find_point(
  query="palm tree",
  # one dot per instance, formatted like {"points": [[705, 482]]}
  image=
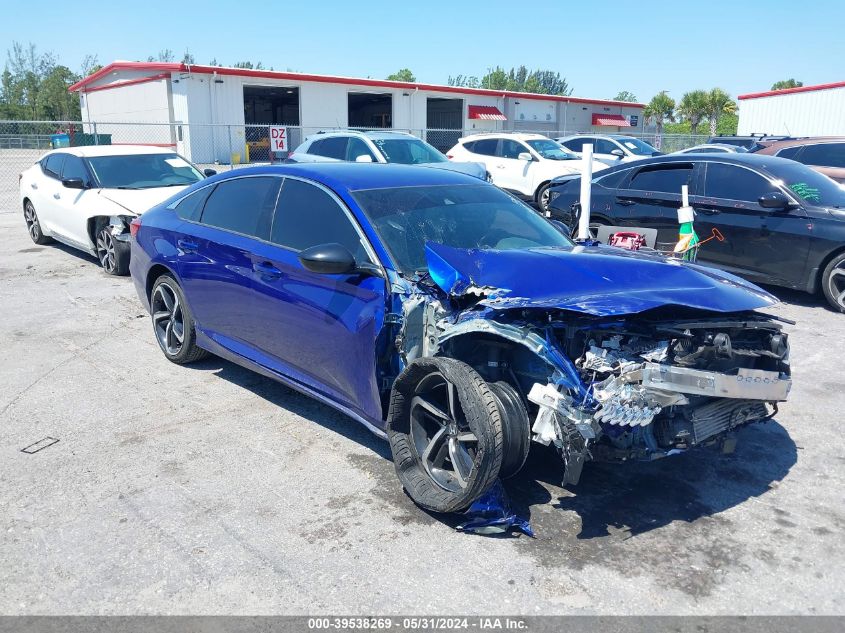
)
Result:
{"points": [[693, 107], [660, 109], [719, 102]]}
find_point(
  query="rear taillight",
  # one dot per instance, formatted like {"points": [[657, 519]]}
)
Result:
{"points": [[134, 226], [449, 156]]}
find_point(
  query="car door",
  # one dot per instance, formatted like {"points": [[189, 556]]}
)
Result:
{"points": [[513, 173], [73, 205], [603, 151], [215, 259], [485, 151], [766, 245], [319, 329], [48, 191], [651, 196]]}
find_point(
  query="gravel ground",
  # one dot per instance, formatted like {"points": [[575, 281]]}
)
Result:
{"points": [[209, 489]]}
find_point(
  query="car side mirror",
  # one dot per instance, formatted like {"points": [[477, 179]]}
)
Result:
{"points": [[73, 183], [328, 259], [618, 153], [524, 156], [775, 201], [209, 172], [364, 158]]}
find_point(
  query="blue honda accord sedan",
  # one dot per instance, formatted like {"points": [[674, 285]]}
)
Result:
{"points": [[450, 318]]}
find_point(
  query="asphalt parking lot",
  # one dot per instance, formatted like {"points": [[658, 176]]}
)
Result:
{"points": [[210, 489]]}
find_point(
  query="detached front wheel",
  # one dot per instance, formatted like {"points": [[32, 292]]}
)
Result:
{"points": [[445, 433]]}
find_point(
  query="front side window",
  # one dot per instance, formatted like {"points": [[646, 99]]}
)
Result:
{"points": [[735, 183], [408, 151], [461, 216], [357, 148], [511, 148], [550, 150], [638, 147], [307, 216], [143, 171], [74, 168], [53, 165], [664, 178], [603, 146], [824, 155], [809, 185], [243, 205]]}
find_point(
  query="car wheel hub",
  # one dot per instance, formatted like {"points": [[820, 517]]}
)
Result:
{"points": [[105, 249], [836, 284], [32, 222], [168, 320]]}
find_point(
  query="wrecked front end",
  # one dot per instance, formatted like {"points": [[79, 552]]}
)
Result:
{"points": [[599, 383]]}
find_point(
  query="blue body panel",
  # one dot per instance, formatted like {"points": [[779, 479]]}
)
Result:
{"points": [[329, 335]]}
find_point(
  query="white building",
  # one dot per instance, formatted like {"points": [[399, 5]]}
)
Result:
{"points": [[805, 111], [209, 113]]}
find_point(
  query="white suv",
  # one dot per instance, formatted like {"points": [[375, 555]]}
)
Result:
{"points": [[610, 149], [377, 147], [524, 164]]}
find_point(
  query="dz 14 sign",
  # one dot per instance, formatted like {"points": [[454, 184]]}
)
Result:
{"points": [[278, 138]]}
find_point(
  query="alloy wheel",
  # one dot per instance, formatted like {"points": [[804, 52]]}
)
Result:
{"points": [[441, 435], [168, 319], [32, 224], [836, 284], [105, 250], [544, 199]]}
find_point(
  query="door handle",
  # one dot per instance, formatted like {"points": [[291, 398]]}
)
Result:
{"points": [[625, 202], [187, 246], [500, 166], [33, 185], [266, 268], [57, 195], [707, 211]]}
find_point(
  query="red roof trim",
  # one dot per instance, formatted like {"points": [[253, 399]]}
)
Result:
{"points": [[379, 83], [129, 82], [611, 119], [786, 91]]}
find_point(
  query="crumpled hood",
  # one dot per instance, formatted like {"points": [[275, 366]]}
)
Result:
{"points": [[139, 200], [601, 281]]}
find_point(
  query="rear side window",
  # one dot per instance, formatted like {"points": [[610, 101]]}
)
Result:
{"points": [[824, 155], [190, 207], [307, 216], [789, 152], [486, 147], [53, 165], [332, 147], [735, 183], [243, 205], [664, 178]]}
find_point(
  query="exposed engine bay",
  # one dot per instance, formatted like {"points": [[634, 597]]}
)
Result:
{"points": [[634, 387]]}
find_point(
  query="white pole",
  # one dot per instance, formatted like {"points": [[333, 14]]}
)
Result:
{"points": [[586, 190]]}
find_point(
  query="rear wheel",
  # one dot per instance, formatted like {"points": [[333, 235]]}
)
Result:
{"points": [[173, 323], [833, 282], [445, 433], [33, 226], [113, 254]]}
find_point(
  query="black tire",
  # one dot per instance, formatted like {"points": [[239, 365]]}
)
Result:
{"points": [[833, 282], [33, 225], [170, 315], [420, 438], [516, 428], [542, 197], [112, 254]]}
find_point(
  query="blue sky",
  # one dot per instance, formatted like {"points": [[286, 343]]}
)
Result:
{"points": [[642, 46]]}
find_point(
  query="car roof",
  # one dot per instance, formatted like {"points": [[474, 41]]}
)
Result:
{"points": [[347, 176], [727, 146], [525, 136], [748, 159], [810, 140], [374, 134], [89, 151]]}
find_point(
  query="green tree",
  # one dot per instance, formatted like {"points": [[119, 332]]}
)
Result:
{"points": [[624, 95], [550, 83], [694, 108], [496, 79], [249, 65], [787, 83], [165, 55], [55, 103], [403, 74], [464, 81], [719, 102], [33, 86], [187, 58], [659, 110]]}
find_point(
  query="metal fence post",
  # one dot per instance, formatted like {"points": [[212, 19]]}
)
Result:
{"points": [[96, 138], [229, 132]]}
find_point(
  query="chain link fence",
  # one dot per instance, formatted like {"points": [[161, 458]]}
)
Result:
{"points": [[216, 146]]}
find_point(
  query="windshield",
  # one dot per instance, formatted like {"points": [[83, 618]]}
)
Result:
{"points": [[143, 171], [409, 151], [551, 150], [461, 216], [638, 147], [809, 185]]}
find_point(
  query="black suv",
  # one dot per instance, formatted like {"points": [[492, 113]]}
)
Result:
{"points": [[752, 142], [784, 223]]}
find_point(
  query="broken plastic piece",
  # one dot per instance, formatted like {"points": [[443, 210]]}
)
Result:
{"points": [[491, 514]]}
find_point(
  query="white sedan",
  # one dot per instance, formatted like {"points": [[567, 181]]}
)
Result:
{"points": [[85, 197]]}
